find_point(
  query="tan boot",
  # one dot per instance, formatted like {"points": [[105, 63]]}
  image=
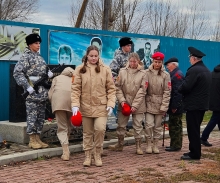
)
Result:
{"points": [[66, 152], [119, 145], [97, 157], [33, 142], [43, 145], [88, 158], [155, 148], [149, 146], [138, 146]]}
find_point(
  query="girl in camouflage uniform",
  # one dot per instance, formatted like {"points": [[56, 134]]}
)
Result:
{"points": [[30, 68]]}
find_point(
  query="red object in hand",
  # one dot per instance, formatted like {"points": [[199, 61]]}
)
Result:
{"points": [[126, 110], [77, 119], [166, 127]]}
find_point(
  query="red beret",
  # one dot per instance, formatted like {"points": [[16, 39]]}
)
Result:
{"points": [[126, 110], [77, 119], [158, 56]]}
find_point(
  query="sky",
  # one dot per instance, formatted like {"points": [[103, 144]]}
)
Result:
{"points": [[57, 12]]}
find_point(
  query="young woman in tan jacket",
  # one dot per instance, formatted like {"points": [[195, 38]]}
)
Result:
{"points": [[131, 89], [93, 94], [157, 100]]}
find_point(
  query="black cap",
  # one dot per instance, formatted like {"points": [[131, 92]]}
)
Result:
{"points": [[125, 41], [173, 59], [195, 52], [32, 38]]}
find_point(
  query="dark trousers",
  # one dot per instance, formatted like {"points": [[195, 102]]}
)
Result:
{"points": [[175, 130], [215, 120], [193, 121]]}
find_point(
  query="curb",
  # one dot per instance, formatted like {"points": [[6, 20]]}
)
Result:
{"points": [[50, 152]]}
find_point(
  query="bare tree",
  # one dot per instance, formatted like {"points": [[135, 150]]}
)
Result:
{"points": [[215, 35], [18, 10], [153, 17], [93, 17], [198, 20]]}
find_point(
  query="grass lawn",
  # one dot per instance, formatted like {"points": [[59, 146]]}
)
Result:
{"points": [[206, 118]]}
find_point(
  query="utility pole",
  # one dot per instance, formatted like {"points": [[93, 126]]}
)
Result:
{"points": [[81, 13], [106, 13]]}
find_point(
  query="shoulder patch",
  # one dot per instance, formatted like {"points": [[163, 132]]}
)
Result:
{"points": [[178, 76]]}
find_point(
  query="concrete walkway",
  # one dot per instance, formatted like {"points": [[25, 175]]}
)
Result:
{"points": [[120, 167], [30, 154]]}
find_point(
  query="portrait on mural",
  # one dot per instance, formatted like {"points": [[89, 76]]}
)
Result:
{"points": [[73, 47], [12, 41]]}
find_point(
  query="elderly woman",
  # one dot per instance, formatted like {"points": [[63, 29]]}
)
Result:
{"points": [[131, 90], [157, 100], [60, 97]]}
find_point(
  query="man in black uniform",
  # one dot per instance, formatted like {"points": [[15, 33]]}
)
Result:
{"points": [[195, 89]]}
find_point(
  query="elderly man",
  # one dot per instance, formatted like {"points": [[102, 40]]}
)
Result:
{"points": [[195, 89], [175, 107]]}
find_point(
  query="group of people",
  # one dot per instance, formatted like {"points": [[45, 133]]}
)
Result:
{"points": [[93, 89]]}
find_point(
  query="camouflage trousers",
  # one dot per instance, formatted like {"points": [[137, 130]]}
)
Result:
{"points": [[175, 130], [35, 116]]}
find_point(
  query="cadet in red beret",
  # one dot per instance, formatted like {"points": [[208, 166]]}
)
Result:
{"points": [[157, 100], [130, 92]]}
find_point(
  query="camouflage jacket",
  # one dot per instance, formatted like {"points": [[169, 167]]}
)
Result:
{"points": [[31, 64], [119, 61]]}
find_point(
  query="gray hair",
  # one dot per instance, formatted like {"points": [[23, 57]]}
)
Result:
{"points": [[175, 63]]}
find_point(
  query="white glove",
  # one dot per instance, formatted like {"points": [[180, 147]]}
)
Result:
{"points": [[75, 110], [50, 74], [30, 89], [109, 109]]}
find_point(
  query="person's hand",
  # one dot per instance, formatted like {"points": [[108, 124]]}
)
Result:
{"points": [[133, 109], [163, 113], [122, 104], [50, 74], [109, 109], [75, 110], [174, 110], [30, 89]]}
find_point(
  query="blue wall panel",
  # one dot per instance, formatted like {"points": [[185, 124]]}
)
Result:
{"points": [[169, 46]]}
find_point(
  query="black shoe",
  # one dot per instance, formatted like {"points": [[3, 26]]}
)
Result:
{"points": [[167, 147], [188, 158], [205, 143], [186, 154], [172, 149]]}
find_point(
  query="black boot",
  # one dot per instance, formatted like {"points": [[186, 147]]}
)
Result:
{"points": [[205, 143]]}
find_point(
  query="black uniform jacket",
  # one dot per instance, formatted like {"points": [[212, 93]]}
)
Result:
{"points": [[214, 102], [195, 87], [176, 98]]}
